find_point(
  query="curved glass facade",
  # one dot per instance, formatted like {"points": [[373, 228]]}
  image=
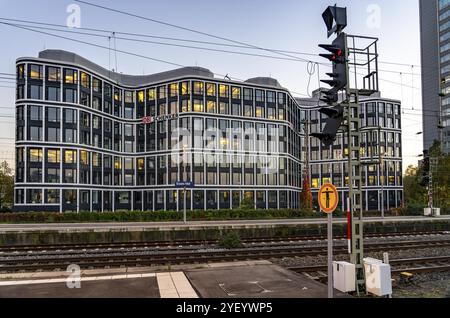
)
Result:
{"points": [[91, 140]]}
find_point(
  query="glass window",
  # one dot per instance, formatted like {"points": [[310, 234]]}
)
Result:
{"points": [[210, 89], [224, 90], [53, 134], [35, 133], [53, 94], [185, 88], [129, 97], [70, 135], [198, 88], [52, 195], [35, 175], [35, 91], [70, 116], [70, 156], [162, 92], [84, 157], [198, 105], [70, 76], [248, 94], [52, 114], [35, 113], [53, 156], [223, 108], [173, 89], [185, 105], [151, 94], [70, 95], [259, 95], [236, 109], [85, 80], [97, 85], [211, 107], [236, 93], [35, 71], [53, 74], [35, 155], [141, 96]]}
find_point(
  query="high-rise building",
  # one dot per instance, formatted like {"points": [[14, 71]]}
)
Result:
{"points": [[435, 55], [88, 139]]}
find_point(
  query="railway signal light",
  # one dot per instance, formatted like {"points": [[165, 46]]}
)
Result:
{"points": [[339, 76], [335, 19], [334, 122]]}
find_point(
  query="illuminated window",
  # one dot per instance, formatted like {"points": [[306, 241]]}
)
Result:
{"points": [[314, 183], [198, 88], [53, 156], [35, 71], [70, 76], [70, 156], [185, 88], [198, 105], [84, 159], [117, 95], [211, 107], [141, 96], [173, 88], [20, 71], [259, 112], [236, 93], [53, 74], [211, 89], [35, 155], [117, 163], [162, 109], [326, 180], [140, 164], [151, 94], [224, 90], [85, 80]]}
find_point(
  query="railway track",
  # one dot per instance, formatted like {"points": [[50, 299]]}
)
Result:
{"points": [[398, 266], [52, 262], [192, 243]]}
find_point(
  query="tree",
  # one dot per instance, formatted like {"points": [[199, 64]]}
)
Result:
{"points": [[6, 187], [416, 196], [306, 196]]}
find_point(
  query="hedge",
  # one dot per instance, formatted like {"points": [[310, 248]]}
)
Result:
{"points": [[139, 216]]}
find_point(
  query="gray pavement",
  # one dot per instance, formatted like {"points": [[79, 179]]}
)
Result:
{"points": [[137, 226], [121, 288], [265, 281]]}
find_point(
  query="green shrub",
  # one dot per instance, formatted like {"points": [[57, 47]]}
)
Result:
{"points": [[230, 240]]}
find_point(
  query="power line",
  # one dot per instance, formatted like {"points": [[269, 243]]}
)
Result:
{"points": [[184, 28], [204, 42]]}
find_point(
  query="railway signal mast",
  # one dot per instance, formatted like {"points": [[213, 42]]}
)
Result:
{"points": [[356, 54]]}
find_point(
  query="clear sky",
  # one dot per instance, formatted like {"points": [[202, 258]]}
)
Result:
{"points": [[293, 25]]}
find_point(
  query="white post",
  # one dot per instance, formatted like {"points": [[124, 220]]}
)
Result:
{"points": [[330, 255], [386, 261], [184, 207]]}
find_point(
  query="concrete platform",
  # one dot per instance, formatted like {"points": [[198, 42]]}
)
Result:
{"points": [[148, 285], [171, 226], [263, 281]]}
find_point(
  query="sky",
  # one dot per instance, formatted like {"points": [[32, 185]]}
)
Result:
{"points": [[291, 25]]}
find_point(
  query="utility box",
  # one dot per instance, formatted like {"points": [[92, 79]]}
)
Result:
{"points": [[378, 277], [344, 276], [436, 212], [427, 212]]}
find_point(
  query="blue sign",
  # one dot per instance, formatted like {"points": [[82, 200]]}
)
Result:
{"points": [[184, 184]]}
